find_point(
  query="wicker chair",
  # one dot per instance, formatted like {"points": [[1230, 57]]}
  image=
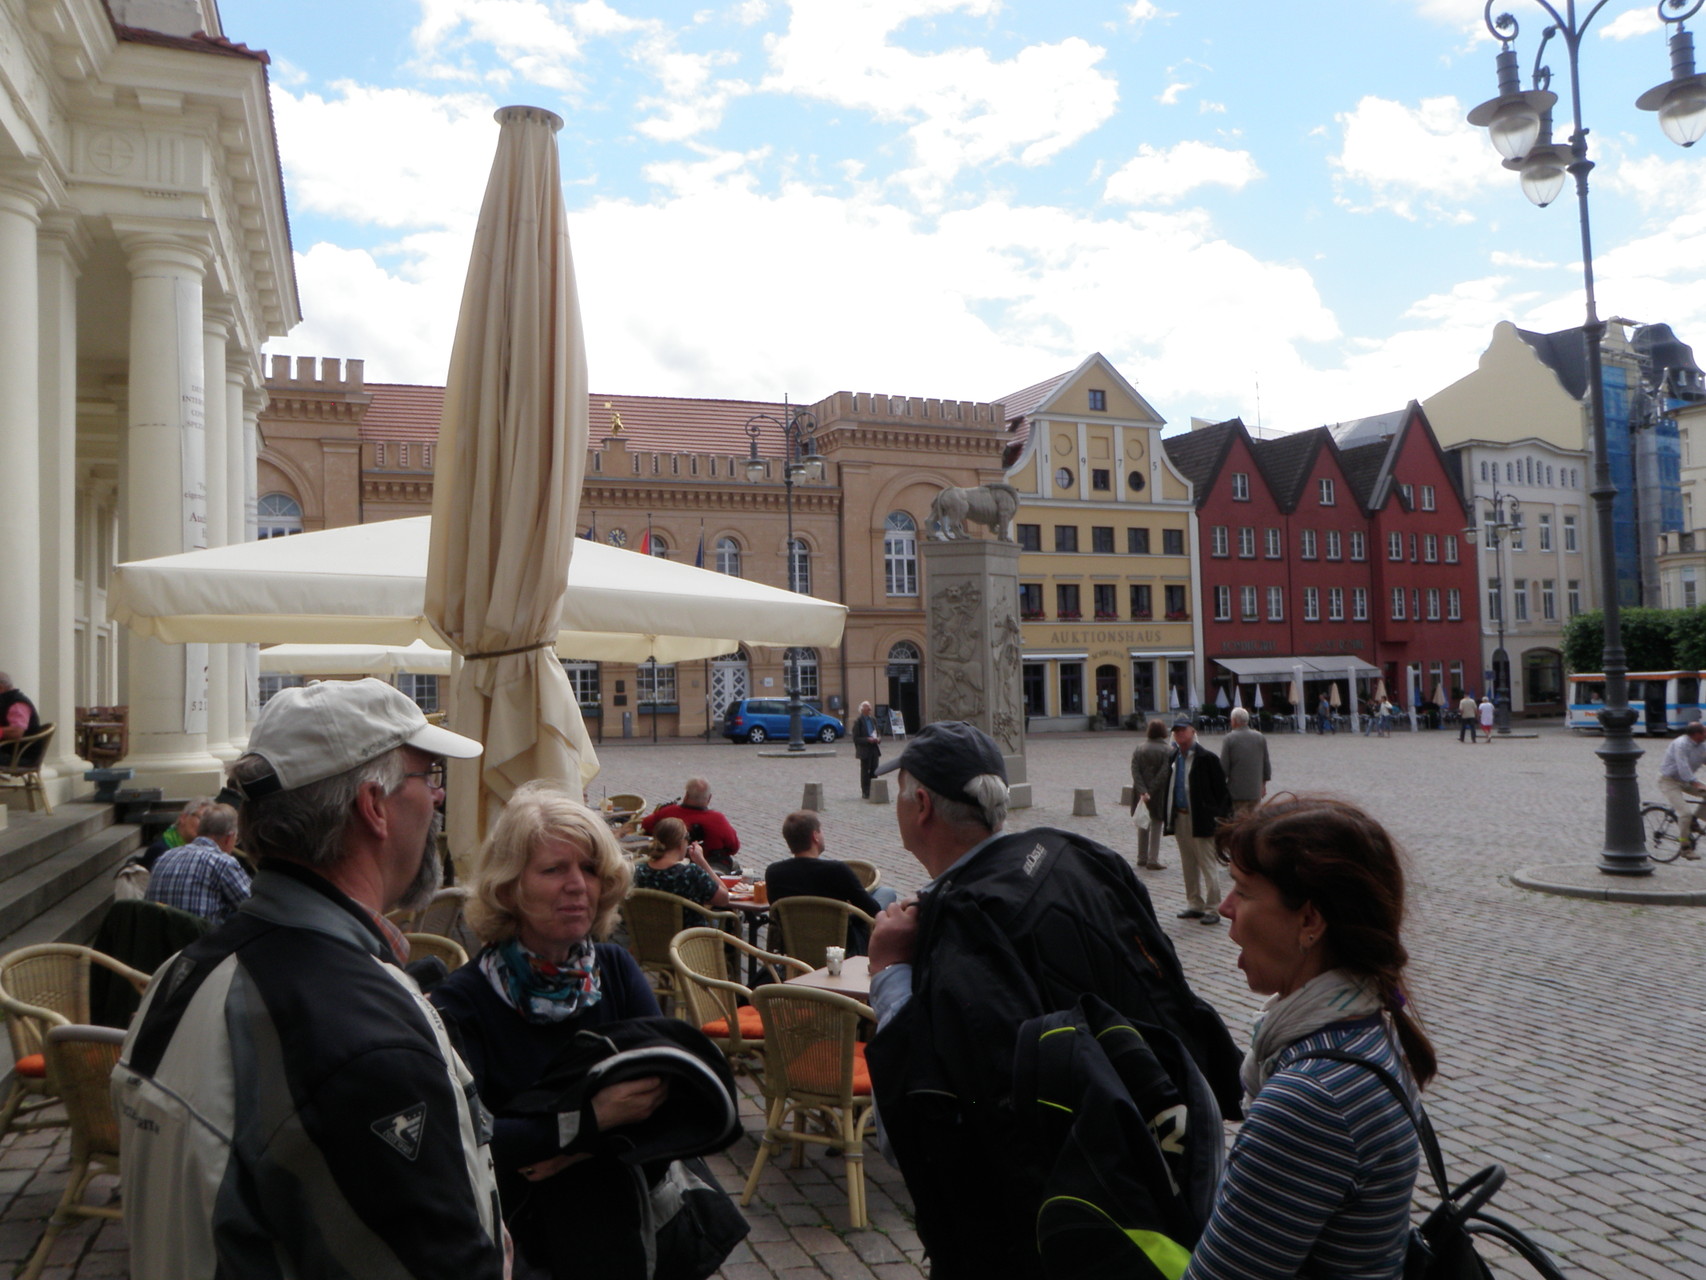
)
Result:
{"points": [[14, 773], [442, 915], [425, 945], [654, 918], [42, 987], [81, 1060], [814, 1068], [702, 959], [810, 924], [869, 876]]}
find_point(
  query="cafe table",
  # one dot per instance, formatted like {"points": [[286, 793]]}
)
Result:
{"points": [[853, 980]]}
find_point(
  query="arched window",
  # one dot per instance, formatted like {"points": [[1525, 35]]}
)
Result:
{"points": [[660, 546], [799, 567], [900, 554], [804, 663], [728, 557], [277, 514]]}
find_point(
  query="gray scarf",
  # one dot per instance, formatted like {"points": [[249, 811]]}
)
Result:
{"points": [[1334, 996]]}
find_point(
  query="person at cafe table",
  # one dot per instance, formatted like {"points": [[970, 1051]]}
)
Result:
{"points": [[704, 824]]}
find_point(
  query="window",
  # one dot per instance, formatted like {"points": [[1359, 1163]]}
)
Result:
{"points": [[804, 665], [1451, 548], [1101, 478], [1359, 604], [1494, 612], [1030, 536], [799, 566], [1066, 601], [1684, 459], [1573, 597], [583, 679], [273, 684], [1249, 604], [1570, 534], [1098, 400], [1174, 598], [1516, 532], [1072, 688], [655, 545], [277, 515], [1430, 547], [1030, 599], [1394, 546], [1241, 486], [1433, 604], [654, 686], [1106, 599], [1276, 604], [1142, 602], [1307, 548], [1690, 591], [1137, 542], [1172, 542], [1102, 539], [1217, 545], [1412, 548], [1409, 496], [1066, 537], [1549, 599], [1334, 547], [900, 554], [1063, 478], [1311, 605], [1454, 605], [1397, 604], [1247, 543], [1427, 497], [1335, 604], [1519, 600], [1484, 474], [728, 557], [1034, 677], [1359, 545], [1223, 604], [423, 690], [379, 454], [1327, 497], [1457, 675], [1546, 531], [1274, 546]]}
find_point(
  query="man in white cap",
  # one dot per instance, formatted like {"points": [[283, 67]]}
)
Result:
{"points": [[289, 1103]]}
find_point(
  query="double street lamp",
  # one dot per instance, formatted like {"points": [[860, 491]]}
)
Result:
{"points": [[1503, 522], [800, 461], [1519, 123]]}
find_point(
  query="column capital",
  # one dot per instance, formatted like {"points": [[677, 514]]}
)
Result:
{"points": [[62, 232], [151, 244], [21, 200], [217, 318]]}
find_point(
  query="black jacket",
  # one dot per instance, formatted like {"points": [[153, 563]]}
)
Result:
{"points": [[864, 729], [1211, 801]]}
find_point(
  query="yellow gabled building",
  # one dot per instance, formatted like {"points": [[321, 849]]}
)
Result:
{"points": [[1108, 587]]}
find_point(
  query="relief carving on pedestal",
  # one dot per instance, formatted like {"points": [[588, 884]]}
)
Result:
{"points": [[956, 650]]}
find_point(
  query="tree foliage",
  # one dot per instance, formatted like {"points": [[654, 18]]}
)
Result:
{"points": [[1654, 639]]}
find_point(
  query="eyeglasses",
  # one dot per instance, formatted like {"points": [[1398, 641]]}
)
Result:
{"points": [[435, 776]]}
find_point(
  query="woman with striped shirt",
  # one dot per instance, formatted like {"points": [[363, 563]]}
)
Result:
{"points": [[1320, 1179]]}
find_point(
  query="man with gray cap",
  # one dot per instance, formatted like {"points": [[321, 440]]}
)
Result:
{"points": [[289, 1103]]}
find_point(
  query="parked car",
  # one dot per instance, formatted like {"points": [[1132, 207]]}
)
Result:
{"points": [[760, 719]]}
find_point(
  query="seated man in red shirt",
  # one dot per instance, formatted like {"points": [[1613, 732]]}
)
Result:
{"points": [[704, 824]]}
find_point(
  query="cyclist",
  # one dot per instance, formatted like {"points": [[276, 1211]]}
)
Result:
{"points": [[1683, 759]]}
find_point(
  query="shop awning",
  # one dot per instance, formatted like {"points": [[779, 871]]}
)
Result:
{"points": [[1318, 665]]}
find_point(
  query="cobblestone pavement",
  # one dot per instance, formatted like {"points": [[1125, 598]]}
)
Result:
{"points": [[1566, 1028]]}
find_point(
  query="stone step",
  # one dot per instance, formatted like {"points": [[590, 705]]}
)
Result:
{"points": [[44, 887], [33, 838]]}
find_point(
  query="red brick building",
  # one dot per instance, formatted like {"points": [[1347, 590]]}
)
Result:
{"points": [[1337, 550]]}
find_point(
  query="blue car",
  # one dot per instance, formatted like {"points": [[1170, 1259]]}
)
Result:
{"points": [[760, 719]]}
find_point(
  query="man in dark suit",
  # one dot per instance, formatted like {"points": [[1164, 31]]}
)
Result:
{"points": [[865, 747], [1197, 802]]}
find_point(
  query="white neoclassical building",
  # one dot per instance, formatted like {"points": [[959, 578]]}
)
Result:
{"points": [[144, 260]]}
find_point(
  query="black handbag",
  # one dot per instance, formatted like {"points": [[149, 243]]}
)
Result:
{"points": [[1443, 1247]]}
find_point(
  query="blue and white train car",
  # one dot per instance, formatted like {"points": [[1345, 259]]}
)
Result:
{"points": [[1663, 701]]}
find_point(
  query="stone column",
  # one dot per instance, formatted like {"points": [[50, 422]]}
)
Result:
{"points": [[236, 530], [254, 400], [166, 477], [20, 438], [61, 247], [971, 660], [216, 324]]}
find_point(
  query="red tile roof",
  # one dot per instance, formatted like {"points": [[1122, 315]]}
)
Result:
{"points": [[200, 42]]}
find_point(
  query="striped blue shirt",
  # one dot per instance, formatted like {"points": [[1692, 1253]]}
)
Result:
{"points": [[200, 878], [1321, 1176]]}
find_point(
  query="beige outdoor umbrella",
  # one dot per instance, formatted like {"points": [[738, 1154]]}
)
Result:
{"points": [[1439, 693], [1333, 699], [506, 488], [1380, 690]]}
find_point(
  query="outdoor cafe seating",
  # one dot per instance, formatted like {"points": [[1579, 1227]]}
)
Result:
{"points": [[653, 918], [718, 1006], [809, 925]]}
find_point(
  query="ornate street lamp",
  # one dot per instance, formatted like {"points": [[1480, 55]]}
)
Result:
{"points": [[1503, 519], [800, 461], [1542, 164]]}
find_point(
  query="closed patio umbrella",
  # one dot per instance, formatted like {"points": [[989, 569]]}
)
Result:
{"points": [[506, 486], [1333, 698]]}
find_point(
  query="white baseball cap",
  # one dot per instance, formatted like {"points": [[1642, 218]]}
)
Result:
{"points": [[311, 733]]}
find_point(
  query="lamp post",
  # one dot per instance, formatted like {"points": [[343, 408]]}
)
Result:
{"points": [[800, 461], [1520, 125], [1503, 520]]}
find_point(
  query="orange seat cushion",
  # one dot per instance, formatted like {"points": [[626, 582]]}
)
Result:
{"points": [[746, 1018], [33, 1066], [818, 1070]]}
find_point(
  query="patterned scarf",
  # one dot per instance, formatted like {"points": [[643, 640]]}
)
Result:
{"points": [[539, 990], [1334, 996]]}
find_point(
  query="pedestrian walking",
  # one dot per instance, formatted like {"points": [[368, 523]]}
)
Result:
{"points": [[1324, 716], [1486, 713], [1244, 759], [1467, 714], [1149, 789]]}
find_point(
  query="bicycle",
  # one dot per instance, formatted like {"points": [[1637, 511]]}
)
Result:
{"points": [[1664, 843]]}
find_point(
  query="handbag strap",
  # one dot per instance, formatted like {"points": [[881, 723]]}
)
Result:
{"points": [[1412, 1108]]}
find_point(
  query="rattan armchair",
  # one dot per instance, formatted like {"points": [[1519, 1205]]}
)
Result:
{"points": [[654, 918], [423, 946], [814, 1068], [43, 987], [81, 1059], [869, 876], [810, 924], [723, 1010], [20, 765]]}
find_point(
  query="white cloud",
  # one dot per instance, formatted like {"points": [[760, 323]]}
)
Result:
{"points": [[1502, 259], [1412, 160], [1205, 107], [526, 35], [1141, 11], [1170, 95], [1157, 176], [1636, 22]]}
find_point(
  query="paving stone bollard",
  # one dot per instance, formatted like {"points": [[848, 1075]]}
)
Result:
{"points": [[813, 797], [1084, 802], [879, 791], [1125, 798]]}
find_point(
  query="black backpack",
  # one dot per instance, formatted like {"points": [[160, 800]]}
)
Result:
{"points": [[1443, 1247]]}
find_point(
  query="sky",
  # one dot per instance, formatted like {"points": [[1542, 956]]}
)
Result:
{"points": [[1271, 210]]}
